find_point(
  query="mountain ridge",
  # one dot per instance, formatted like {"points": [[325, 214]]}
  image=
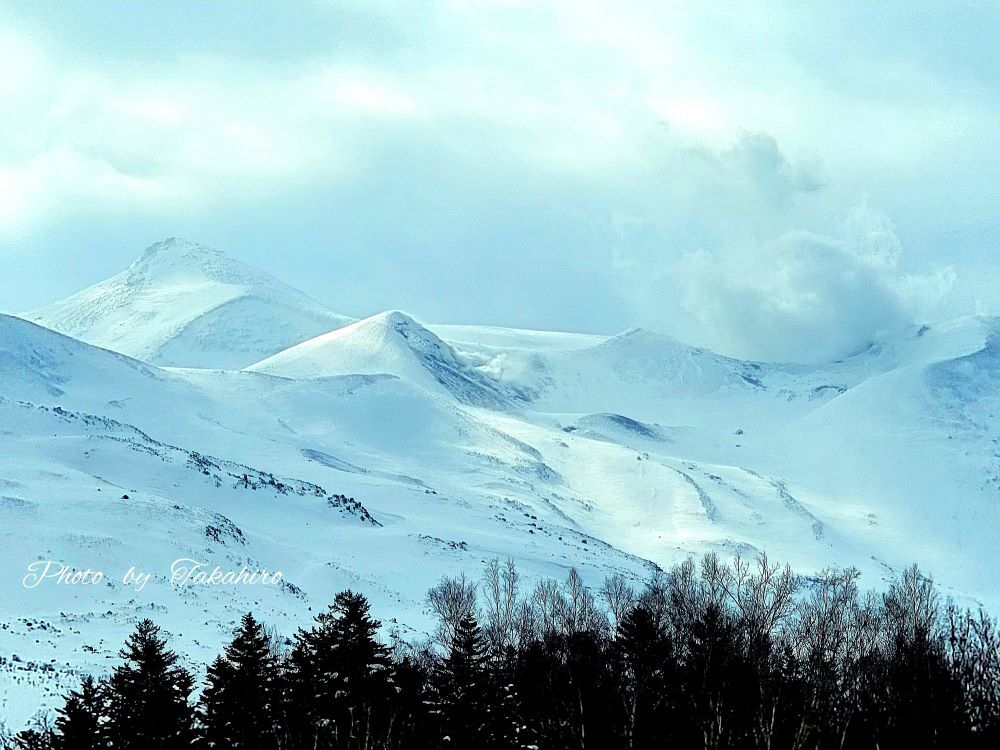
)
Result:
{"points": [[610, 454]]}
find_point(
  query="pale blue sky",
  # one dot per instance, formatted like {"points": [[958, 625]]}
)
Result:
{"points": [[755, 177]]}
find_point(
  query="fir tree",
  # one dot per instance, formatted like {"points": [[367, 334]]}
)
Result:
{"points": [[148, 695], [79, 722], [239, 705], [412, 727], [341, 676], [464, 689], [645, 681], [35, 738]]}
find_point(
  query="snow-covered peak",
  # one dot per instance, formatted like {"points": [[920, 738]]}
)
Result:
{"points": [[397, 321], [378, 344], [664, 363], [173, 249], [395, 317], [633, 337], [185, 304], [179, 259], [389, 343], [405, 331]]}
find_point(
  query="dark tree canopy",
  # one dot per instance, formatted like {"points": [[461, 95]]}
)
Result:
{"points": [[708, 655]]}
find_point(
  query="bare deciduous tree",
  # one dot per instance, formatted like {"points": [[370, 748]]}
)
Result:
{"points": [[762, 594], [500, 589], [452, 600], [912, 605], [618, 596], [581, 612], [825, 615], [548, 605]]}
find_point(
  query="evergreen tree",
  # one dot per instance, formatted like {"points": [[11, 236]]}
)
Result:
{"points": [[925, 699], [591, 690], [35, 738], [239, 705], [411, 722], [341, 677], [465, 689], [79, 722], [540, 684], [148, 695], [645, 678], [716, 679]]}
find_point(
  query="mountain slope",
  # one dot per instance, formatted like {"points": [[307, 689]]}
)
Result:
{"points": [[109, 463], [457, 444], [187, 305]]}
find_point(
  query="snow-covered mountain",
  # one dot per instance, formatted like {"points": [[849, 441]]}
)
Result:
{"points": [[381, 454], [391, 343], [183, 304]]}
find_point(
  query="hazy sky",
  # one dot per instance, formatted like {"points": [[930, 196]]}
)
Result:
{"points": [[781, 180]]}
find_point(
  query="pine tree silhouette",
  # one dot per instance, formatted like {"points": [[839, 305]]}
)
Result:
{"points": [[148, 695], [40, 738], [239, 705], [465, 689], [79, 721], [414, 728], [646, 683], [341, 676]]}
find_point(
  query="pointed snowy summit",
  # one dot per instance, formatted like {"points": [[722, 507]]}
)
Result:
{"points": [[183, 304], [389, 343]]}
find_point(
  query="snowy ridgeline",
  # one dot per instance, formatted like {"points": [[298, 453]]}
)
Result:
{"points": [[378, 454]]}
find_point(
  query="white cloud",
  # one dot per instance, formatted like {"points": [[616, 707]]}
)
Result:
{"points": [[807, 298], [352, 94], [764, 263], [556, 87], [50, 182], [107, 141], [695, 142]]}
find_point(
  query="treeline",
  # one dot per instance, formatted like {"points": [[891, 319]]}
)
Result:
{"points": [[707, 655]]}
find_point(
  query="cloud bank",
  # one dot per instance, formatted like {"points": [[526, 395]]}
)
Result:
{"points": [[807, 298], [770, 266], [692, 167]]}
